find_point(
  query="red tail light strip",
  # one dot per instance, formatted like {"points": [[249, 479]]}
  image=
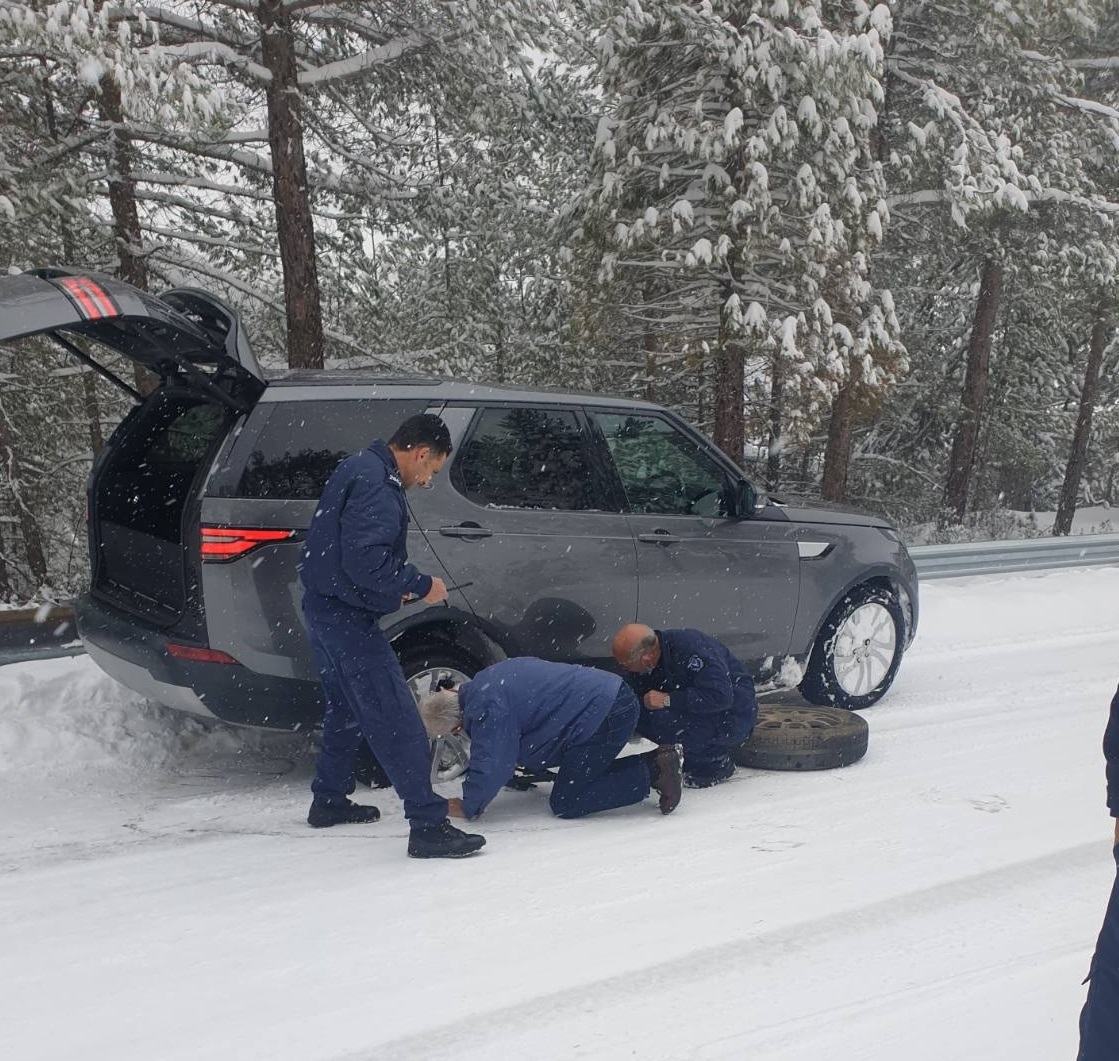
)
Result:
{"points": [[196, 654], [228, 543], [92, 300]]}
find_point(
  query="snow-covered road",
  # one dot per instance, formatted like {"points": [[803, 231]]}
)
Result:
{"points": [[160, 897]]}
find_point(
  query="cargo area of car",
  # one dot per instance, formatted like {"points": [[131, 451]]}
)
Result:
{"points": [[141, 491]]}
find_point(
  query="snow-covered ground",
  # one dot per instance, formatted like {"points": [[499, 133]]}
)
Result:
{"points": [[161, 898]]}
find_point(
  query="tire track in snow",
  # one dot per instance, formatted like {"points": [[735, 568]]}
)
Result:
{"points": [[647, 999]]}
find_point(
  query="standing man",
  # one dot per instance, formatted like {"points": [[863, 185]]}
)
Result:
{"points": [[1099, 1020], [694, 692], [354, 570], [528, 712]]}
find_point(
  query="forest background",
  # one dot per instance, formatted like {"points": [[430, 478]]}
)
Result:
{"points": [[869, 249]]}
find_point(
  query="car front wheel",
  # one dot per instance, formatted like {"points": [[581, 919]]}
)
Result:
{"points": [[857, 652]]}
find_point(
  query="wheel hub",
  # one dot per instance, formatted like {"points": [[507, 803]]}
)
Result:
{"points": [[865, 646]]}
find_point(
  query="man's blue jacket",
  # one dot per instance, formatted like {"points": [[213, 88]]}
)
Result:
{"points": [[527, 711], [700, 675], [1111, 754], [356, 545]]}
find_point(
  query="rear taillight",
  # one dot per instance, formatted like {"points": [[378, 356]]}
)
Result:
{"points": [[198, 655], [228, 543]]}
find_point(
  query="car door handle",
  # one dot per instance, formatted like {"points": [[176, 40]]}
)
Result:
{"points": [[466, 530], [658, 538]]}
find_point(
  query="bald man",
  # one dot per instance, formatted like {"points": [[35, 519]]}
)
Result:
{"points": [[693, 692]]}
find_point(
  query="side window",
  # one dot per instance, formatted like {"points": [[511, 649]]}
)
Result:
{"points": [[302, 442], [526, 458], [662, 470]]}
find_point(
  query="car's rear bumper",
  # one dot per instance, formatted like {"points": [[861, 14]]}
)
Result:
{"points": [[136, 655]]}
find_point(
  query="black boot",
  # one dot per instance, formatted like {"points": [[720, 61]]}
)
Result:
{"points": [[324, 813], [664, 776], [706, 775], [442, 841]]}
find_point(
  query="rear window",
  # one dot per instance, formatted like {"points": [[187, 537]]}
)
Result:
{"points": [[301, 443]]}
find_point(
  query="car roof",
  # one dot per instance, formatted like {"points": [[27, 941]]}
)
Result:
{"points": [[336, 384]]}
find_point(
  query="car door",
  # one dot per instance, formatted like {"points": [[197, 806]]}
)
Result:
{"points": [[525, 517], [699, 564]]}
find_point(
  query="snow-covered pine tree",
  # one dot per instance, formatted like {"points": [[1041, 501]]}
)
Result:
{"points": [[987, 186], [735, 200]]}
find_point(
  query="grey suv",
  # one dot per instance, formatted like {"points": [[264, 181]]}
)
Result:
{"points": [[560, 517]]}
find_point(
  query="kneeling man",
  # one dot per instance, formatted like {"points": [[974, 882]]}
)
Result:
{"points": [[693, 692], [531, 713]]}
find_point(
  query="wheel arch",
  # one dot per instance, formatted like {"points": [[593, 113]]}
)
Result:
{"points": [[445, 626]]}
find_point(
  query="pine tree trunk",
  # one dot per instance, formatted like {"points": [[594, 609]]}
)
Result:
{"points": [[730, 421], [294, 223], [837, 456], [649, 342], [776, 414], [962, 461], [5, 580], [92, 412], [1070, 489], [132, 267], [32, 539]]}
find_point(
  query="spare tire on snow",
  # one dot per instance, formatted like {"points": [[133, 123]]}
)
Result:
{"points": [[804, 738]]}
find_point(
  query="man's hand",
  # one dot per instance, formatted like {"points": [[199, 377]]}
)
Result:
{"points": [[438, 591], [454, 808], [1117, 831], [655, 699]]}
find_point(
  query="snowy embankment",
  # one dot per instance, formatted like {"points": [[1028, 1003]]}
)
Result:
{"points": [[161, 898]]}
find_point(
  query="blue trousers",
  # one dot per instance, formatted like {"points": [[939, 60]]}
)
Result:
{"points": [[591, 777], [707, 737], [367, 696], [1099, 1019]]}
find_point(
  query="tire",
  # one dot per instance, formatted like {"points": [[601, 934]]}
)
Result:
{"points": [[804, 738], [857, 652], [423, 666]]}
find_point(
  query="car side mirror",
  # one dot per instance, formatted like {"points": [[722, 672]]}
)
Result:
{"points": [[748, 502]]}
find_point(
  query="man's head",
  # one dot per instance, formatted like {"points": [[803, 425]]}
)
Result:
{"points": [[421, 446], [441, 713], [450, 747], [637, 648]]}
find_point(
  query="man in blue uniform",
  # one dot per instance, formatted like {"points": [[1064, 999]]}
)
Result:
{"points": [[354, 569], [535, 714], [1099, 1020], [693, 692]]}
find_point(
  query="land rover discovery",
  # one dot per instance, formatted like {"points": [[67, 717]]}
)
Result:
{"points": [[561, 516]]}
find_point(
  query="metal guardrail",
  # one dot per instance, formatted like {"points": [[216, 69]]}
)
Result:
{"points": [[47, 631], [1015, 554]]}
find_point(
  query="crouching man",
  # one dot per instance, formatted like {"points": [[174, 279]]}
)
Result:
{"points": [[531, 713], [694, 692]]}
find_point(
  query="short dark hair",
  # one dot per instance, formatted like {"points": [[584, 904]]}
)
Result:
{"points": [[425, 429]]}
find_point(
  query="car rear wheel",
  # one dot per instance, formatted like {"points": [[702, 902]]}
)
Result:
{"points": [[858, 650], [424, 667]]}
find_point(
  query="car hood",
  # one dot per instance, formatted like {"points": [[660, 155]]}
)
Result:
{"points": [[836, 515]]}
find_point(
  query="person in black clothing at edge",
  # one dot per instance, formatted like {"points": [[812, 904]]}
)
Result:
{"points": [[1099, 1019], [354, 569], [693, 692]]}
